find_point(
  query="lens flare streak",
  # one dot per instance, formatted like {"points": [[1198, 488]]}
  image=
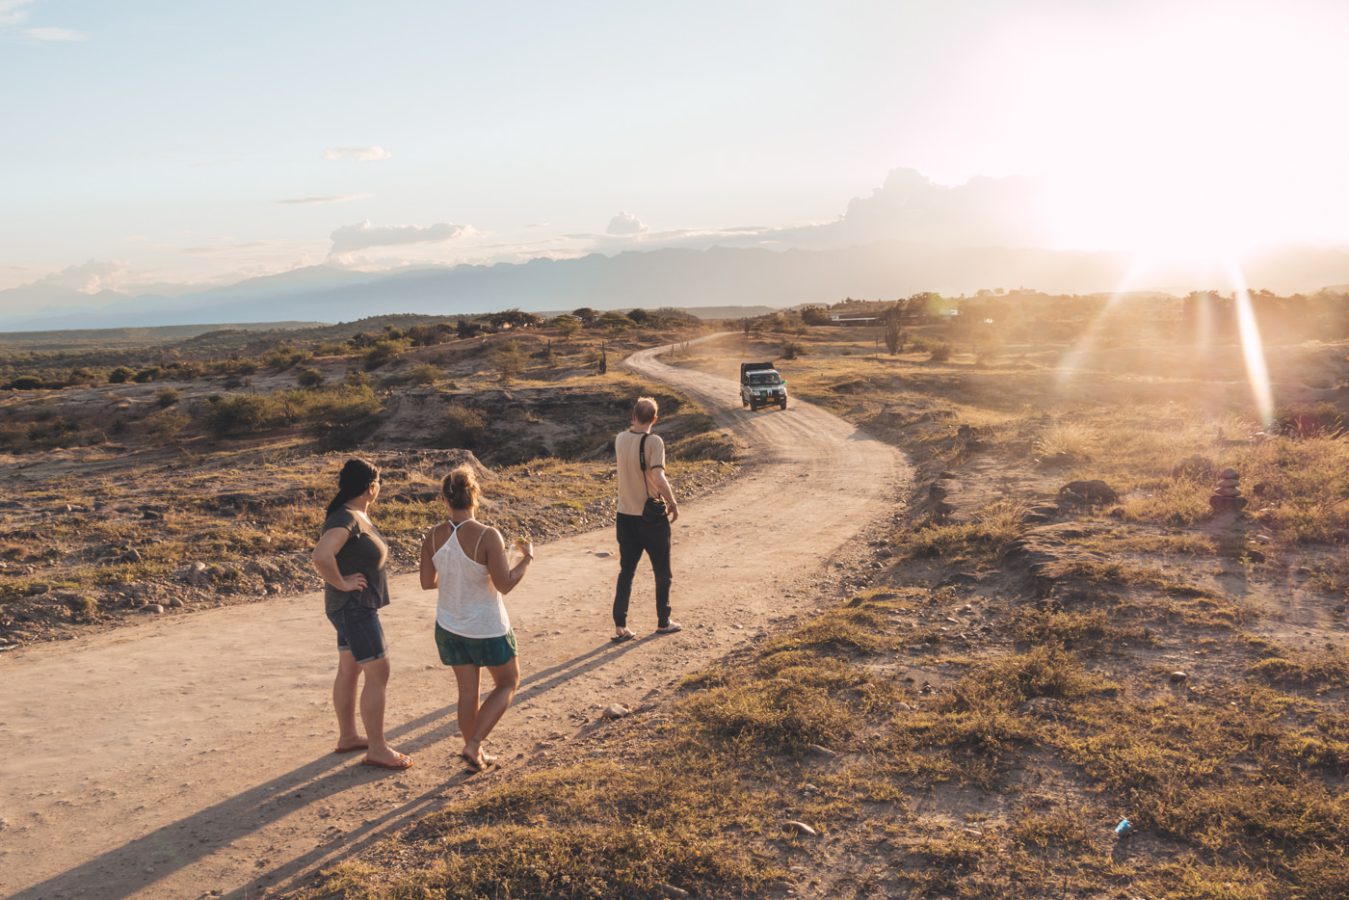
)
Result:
{"points": [[1252, 348]]}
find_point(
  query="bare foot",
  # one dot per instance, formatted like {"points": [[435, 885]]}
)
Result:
{"points": [[388, 758], [350, 745], [476, 759]]}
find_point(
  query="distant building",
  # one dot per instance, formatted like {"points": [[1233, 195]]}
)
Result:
{"points": [[854, 320]]}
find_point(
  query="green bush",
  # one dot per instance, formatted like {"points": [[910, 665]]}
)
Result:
{"points": [[423, 374], [120, 375], [382, 352], [309, 378], [464, 427], [336, 409], [167, 397], [237, 415]]}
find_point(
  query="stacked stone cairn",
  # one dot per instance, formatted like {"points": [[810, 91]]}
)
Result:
{"points": [[1226, 496]]}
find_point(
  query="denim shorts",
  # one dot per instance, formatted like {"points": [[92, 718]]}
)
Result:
{"points": [[465, 651], [359, 631]]}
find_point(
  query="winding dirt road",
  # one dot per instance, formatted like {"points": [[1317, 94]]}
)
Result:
{"points": [[190, 756]]}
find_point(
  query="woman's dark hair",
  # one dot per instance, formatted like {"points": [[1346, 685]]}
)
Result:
{"points": [[356, 477], [460, 487]]}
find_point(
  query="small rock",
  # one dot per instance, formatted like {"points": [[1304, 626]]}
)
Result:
{"points": [[603, 553], [152, 608], [176, 603], [1088, 493], [669, 890], [617, 711], [1177, 677], [821, 750], [800, 828], [196, 574]]}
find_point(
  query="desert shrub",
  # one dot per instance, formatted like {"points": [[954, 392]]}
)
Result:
{"points": [[167, 397], [309, 377], [381, 353], [815, 315], [285, 356], [940, 352], [423, 374], [464, 426], [615, 320], [120, 375], [792, 349], [320, 410], [508, 360], [236, 415], [167, 424], [147, 375], [25, 383], [1309, 420]]}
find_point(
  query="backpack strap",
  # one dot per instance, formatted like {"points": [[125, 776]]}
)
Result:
{"points": [[641, 459]]}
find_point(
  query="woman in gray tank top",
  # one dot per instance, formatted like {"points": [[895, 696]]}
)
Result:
{"points": [[352, 557]]}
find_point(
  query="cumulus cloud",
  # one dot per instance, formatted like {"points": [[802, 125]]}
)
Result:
{"points": [[13, 12], [88, 277], [332, 198], [353, 238], [625, 223], [360, 154], [65, 35]]}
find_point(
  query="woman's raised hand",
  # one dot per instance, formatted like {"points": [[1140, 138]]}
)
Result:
{"points": [[525, 546]]}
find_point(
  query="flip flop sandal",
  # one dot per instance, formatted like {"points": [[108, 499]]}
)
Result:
{"points": [[670, 629], [625, 636]]}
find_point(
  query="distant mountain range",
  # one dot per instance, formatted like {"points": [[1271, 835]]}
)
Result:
{"points": [[682, 277], [908, 235]]}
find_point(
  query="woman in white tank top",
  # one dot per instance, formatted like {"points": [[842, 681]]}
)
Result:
{"points": [[468, 564]]}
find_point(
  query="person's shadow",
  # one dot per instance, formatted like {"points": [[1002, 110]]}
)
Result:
{"points": [[140, 863]]}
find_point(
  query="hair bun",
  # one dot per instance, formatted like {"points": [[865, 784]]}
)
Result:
{"points": [[460, 487]]}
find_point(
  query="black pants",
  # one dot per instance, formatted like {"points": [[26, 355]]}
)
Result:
{"points": [[635, 535]]}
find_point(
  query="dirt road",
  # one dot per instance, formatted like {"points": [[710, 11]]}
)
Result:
{"points": [[190, 757]]}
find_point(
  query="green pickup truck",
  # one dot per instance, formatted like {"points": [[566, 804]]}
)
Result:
{"points": [[761, 385]]}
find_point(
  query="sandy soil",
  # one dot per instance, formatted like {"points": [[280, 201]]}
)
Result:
{"points": [[190, 757]]}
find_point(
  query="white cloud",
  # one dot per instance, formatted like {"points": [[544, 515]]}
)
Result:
{"points": [[332, 198], [625, 223], [353, 238], [88, 277], [13, 12], [360, 154], [62, 35]]}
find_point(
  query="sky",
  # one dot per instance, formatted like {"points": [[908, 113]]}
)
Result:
{"points": [[153, 142]]}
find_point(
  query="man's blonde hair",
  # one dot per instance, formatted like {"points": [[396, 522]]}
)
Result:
{"points": [[644, 410]]}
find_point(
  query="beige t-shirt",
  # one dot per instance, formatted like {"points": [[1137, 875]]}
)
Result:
{"points": [[632, 493]]}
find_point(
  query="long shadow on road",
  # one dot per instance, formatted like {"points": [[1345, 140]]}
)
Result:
{"points": [[144, 861]]}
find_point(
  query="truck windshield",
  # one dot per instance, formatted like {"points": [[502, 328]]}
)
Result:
{"points": [[764, 378]]}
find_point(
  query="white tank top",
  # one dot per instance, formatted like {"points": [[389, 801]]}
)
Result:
{"points": [[468, 604]]}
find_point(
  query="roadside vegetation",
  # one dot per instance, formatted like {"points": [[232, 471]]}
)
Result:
{"points": [[1032, 663], [205, 484]]}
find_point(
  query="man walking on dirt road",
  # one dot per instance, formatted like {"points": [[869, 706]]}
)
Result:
{"points": [[646, 509]]}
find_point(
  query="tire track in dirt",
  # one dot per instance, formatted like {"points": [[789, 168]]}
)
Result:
{"points": [[190, 756]]}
